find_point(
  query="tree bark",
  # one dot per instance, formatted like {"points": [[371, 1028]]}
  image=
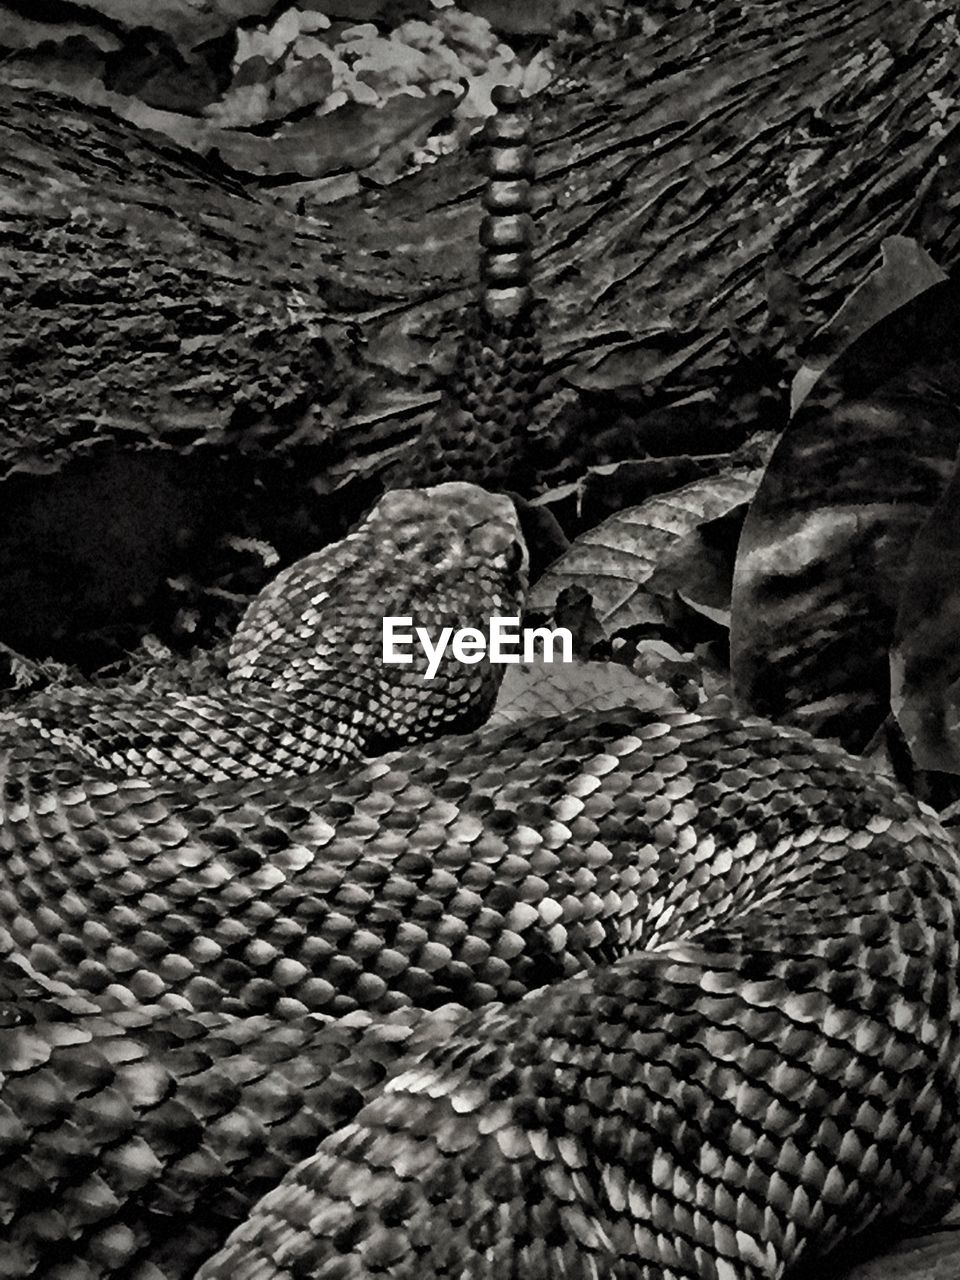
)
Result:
{"points": [[697, 188], [708, 194]]}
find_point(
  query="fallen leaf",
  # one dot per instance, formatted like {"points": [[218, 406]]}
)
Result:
{"points": [[906, 269], [699, 566], [824, 548], [532, 690], [614, 560], [925, 659]]}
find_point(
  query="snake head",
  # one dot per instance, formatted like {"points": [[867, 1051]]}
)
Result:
{"points": [[451, 556]]}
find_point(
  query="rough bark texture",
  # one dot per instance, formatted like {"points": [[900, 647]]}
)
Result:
{"points": [[707, 196], [689, 182]]}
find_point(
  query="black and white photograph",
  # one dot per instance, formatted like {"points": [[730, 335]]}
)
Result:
{"points": [[479, 640]]}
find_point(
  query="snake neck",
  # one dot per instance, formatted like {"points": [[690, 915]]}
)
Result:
{"points": [[481, 429]]}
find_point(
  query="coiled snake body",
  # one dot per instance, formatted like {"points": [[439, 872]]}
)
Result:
{"points": [[610, 994]]}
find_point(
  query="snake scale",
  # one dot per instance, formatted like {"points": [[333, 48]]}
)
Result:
{"points": [[616, 993]]}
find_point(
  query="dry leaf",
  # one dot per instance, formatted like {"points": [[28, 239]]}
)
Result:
{"points": [[906, 270], [615, 560], [925, 660], [533, 690], [824, 548], [698, 568]]}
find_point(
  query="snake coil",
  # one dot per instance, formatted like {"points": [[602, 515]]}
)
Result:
{"points": [[623, 994]]}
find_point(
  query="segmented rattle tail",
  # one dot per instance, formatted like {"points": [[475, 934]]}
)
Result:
{"points": [[480, 431]]}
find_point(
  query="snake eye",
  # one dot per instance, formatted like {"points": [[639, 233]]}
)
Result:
{"points": [[513, 557]]}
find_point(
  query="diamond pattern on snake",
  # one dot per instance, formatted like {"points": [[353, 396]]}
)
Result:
{"points": [[310, 976]]}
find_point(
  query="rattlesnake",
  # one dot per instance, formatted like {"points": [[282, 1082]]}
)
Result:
{"points": [[759, 1058], [618, 993]]}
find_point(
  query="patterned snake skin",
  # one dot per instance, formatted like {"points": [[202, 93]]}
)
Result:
{"points": [[613, 994]]}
